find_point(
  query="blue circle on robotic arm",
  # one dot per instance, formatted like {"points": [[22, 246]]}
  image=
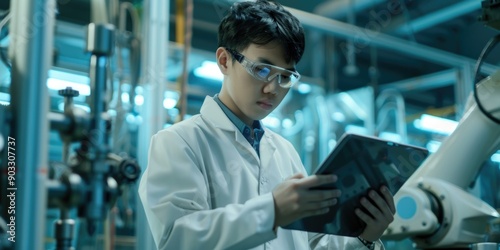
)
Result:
{"points": [[406, 207]]}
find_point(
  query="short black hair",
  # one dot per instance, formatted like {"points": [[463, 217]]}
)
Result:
{"points": [[261, 22]]}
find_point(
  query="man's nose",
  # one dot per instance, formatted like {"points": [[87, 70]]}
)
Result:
{"points": [[273, 85]]}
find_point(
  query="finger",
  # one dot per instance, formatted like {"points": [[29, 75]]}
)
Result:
{"points": [[364, 217], [314, 212], [317, 180], [318, 208], [320, 205], [374, 211], [381, 204], [389, 199], [321, 195], [296, 176]]}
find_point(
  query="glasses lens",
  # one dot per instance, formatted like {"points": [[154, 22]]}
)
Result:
{"points": [[288, 79], [267, 73], [262, 71]]}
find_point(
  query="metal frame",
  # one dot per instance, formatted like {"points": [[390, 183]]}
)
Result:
{"points": [[367, 37], [32, 29]]}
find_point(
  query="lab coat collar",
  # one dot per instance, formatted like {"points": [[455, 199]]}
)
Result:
{"points": [[211, 111]]}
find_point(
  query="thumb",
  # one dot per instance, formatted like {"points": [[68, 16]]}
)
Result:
{"points": [[296, 176]]}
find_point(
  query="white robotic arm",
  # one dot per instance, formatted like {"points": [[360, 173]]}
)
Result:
{"points": [[433, 207]]}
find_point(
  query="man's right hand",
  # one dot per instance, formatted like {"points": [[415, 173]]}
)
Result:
{"points": [[294, 199]]}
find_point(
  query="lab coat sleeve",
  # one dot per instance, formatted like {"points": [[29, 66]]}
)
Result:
{"points": [[330, 242], [175, 196]]}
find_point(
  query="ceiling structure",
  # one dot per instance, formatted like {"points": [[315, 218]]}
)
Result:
{"points": [[446, 25]]}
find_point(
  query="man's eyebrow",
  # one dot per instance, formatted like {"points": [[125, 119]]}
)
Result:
{"points": [[264, 60]]}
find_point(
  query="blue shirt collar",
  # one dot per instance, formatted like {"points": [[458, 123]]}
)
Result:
{"points": [[242, 127]]}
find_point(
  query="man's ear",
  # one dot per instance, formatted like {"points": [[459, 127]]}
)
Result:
{"points": [[223, 60]]}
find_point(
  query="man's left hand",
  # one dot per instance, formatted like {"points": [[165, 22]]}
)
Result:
{"points": [[381, 211]]}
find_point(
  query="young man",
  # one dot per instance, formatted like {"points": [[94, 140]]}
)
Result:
{"points": [[220, 180]]}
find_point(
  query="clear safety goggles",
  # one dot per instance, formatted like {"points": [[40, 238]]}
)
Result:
{"points": [[267, 72]]}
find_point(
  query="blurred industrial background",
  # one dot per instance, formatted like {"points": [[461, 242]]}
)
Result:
{"points": [[398, 69]]}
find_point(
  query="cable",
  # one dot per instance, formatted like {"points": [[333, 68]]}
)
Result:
{"points": [[134, 15], [489, 46]]}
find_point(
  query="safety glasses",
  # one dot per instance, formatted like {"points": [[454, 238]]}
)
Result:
{"points": [[266, 72]]}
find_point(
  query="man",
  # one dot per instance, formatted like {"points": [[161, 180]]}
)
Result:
{"points": [[220, 180]]}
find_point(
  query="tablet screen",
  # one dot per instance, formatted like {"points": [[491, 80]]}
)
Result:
{"points": [[362, 163]]}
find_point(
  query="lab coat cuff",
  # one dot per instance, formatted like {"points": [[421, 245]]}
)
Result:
{"points": [[378, 245], [265, 216]]}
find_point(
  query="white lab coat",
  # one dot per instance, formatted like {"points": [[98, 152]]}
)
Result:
{"points": [[206, 188]]}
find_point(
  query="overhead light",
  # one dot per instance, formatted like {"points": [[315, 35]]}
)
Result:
{"points": [[125, 97], [287, 123], [169, 103], [304, 88], [139, 90], [112, 112], [139, 100], [435, 124], [171, 99], [209, 70], [390, 136], [338, 116], [60, 80], [130, 118], [356, 129], [496, 157], [57, 84]]}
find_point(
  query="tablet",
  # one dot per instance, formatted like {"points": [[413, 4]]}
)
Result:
{"points": [[361, 163]]}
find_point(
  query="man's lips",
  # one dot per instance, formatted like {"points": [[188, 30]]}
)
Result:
{"points": [[265, 104]]}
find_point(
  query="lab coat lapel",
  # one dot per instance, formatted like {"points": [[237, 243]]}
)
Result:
{"points": [[214, 114], [267, 149], [245, 145], [211, 111]]}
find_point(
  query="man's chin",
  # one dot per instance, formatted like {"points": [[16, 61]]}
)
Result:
{"points": [[261, 116]]}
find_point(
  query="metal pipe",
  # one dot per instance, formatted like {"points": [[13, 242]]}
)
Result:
{"points": [[400, 109], [425, 82], [439, 16], [338, 9], [366, 37], [100, 43], [32, 29], [96, 207], [154, 65]]}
